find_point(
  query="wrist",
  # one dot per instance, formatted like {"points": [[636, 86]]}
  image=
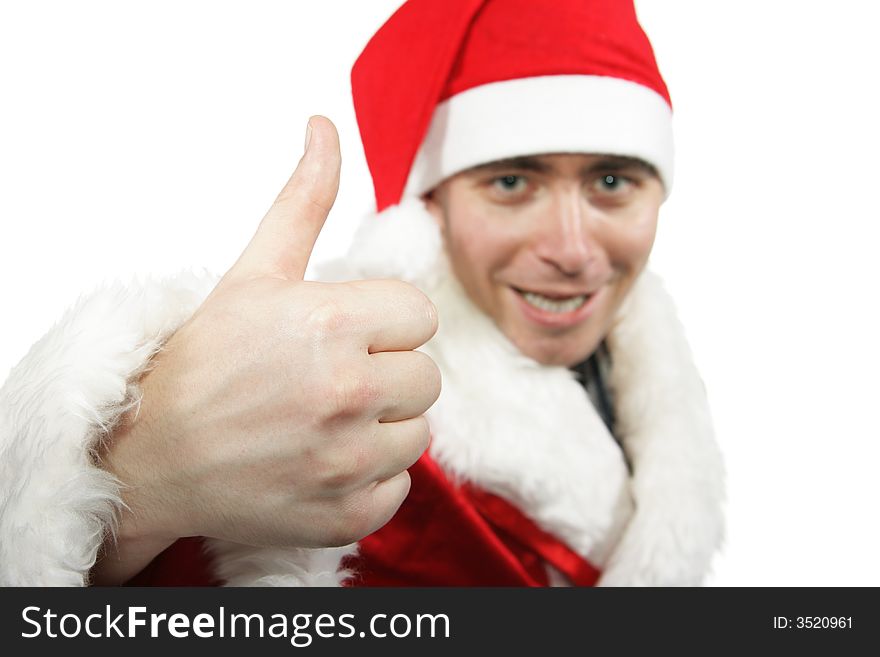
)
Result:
{"points": [[122, 557], [143, 528]]}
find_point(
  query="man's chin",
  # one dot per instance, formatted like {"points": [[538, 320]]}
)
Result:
{"points": [[557, 352]]}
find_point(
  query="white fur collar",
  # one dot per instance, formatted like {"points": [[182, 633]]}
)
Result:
{"points": [[528, 432], [542, 445], [525, 432]]}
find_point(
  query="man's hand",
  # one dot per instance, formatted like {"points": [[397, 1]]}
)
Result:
{"points": [[283, 412]]}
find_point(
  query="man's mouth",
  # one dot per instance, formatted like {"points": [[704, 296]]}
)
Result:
{"points": [[554, 304], [557, 309]]}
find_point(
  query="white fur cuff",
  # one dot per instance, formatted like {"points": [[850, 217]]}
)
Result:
{"points": [[69, 390]]}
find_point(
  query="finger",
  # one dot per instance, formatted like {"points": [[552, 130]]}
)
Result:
{"points": [[401, 444], [393, 315], [387, 496], [409, 381], [285, 237], [358, 514]]}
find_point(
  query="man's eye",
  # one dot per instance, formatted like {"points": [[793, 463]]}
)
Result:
{"points": [[614, 184], [509, 184]]}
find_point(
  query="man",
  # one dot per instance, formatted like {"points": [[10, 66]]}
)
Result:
{"points": [[520, 151]]}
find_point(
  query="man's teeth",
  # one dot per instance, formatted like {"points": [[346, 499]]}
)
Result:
{"points": [[554, 305]]}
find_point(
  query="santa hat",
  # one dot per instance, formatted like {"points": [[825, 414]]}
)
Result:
{"points": [[446, 85]]}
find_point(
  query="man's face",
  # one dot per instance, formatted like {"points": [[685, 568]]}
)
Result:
{"points": [[549, 246]]}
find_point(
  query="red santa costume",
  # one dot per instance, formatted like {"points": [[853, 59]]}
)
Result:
{"points": [[523, 483]]}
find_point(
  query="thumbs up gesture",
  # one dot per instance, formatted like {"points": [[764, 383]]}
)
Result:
{"points": [[284, 412]]}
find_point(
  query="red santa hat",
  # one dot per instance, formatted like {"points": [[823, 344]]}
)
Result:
{"points": [[446, 85]]}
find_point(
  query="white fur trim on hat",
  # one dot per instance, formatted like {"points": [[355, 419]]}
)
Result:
{"points": [[545, 114], [403, 241]]}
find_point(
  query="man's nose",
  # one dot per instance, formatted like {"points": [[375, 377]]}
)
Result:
{"points": [[566, 238]]}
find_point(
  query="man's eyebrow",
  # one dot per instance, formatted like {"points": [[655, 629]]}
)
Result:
{"points": [[513, 163], [618, 163]]}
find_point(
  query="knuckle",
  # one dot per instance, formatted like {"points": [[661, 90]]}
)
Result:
{"points": [[417, 439], [422, 306], [432, 316], [353, 395], [327, 318], [365, 511], [341, 471], [402, 492], [429, 376], [322, 202], [423, 433]]}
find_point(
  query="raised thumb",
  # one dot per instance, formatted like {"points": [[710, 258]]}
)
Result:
{"points": [[285, 237]]}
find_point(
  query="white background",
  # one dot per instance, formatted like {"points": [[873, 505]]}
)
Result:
{"points": [[150, 136]]}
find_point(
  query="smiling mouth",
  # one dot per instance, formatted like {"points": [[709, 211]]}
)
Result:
{"points": [[554, 304]]}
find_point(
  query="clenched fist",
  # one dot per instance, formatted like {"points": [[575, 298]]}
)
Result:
{"points": [[283, 412]]}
